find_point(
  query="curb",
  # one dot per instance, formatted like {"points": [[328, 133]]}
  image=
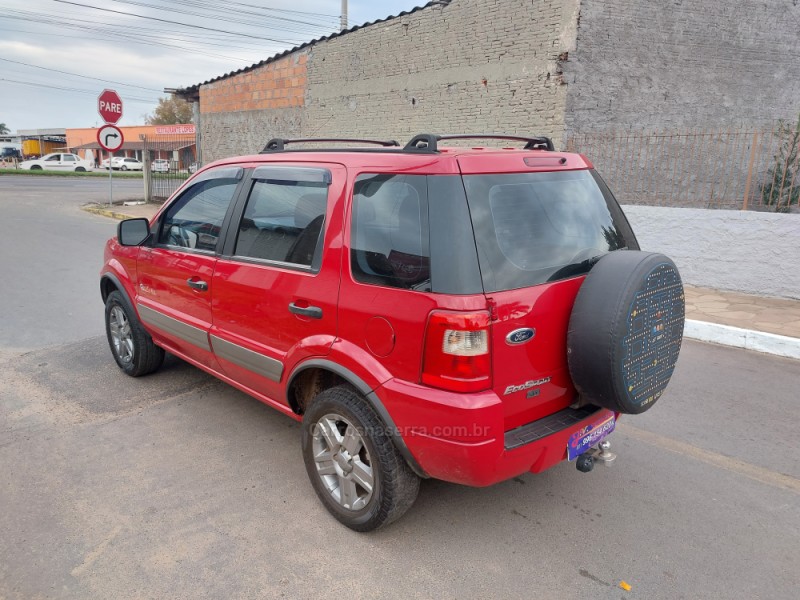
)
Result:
{"points": [[105, 212], [749, 339]]}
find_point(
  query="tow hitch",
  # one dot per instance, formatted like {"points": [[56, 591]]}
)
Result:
{"points": [[585, 462]]}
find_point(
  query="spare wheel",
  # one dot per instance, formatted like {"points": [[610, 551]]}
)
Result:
{"points": [[625, 330]]}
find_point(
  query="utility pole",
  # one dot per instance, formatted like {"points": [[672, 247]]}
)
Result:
{"points": [[343, 18]]}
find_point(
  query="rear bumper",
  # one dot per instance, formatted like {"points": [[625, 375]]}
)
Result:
{"points": [[460, 437]]}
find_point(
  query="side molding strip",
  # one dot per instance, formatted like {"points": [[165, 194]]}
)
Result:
{"points": [[179, 329], [247, 359]]}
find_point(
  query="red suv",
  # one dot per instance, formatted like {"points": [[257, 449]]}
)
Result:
{"points": [[466, 314]]}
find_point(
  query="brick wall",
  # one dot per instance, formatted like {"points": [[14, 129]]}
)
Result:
{"points": [[471, 66], [699, 64], [238, 114]]}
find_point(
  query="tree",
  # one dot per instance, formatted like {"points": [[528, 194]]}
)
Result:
{"points": [[170, 111], [3, 129], [779, 189]]}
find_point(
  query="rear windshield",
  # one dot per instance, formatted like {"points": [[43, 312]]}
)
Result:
{"points": [[531, 228]]}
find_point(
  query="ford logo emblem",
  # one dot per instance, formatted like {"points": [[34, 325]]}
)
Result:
{"points": [[520, 336]]}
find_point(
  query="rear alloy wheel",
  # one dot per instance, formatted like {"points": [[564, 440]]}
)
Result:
{"points": [[354, 467], [131, 345], [124, 168]]}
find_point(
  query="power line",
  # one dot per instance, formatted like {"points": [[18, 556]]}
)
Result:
{"points": [[76, 90], [78, 75], [119, 12]]}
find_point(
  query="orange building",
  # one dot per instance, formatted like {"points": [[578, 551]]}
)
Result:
{"points": [[175, 143]]}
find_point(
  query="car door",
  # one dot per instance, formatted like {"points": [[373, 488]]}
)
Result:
{"points": [[68, 162], [276, 284], [175, 270], [52, 162]]}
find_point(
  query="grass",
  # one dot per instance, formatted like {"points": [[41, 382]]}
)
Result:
{"points": [[45, 173], [95, 173]]}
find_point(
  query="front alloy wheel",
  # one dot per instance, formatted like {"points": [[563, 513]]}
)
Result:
{"points": [[131, 345], [121, 337]]}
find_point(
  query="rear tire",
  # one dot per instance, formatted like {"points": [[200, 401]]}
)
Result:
{"points": [[36, 167], [354, 467], [80, 170], [131, 345], [124, 168]]}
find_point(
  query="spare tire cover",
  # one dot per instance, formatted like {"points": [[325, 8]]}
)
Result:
{"points": [[625, 330]]}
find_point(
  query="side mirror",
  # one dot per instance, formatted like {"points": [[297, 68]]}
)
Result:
{"points": [[132, 232]]}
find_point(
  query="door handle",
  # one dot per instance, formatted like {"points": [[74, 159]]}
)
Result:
{"points": [[315, 312], [197, 284]]}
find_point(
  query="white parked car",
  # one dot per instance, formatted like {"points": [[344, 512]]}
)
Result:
{"points": [[125, 163], [58, 162], [160, 165]]}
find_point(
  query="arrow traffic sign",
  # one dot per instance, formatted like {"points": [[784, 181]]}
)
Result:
{"points": [[110, 138], [109, 105]]}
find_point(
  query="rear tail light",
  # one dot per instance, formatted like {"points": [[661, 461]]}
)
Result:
{"points": [[457, 356]]}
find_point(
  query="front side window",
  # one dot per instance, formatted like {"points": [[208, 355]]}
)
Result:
{"points": [[194, 220], [284, 217], [390, 244], [53, 157]]}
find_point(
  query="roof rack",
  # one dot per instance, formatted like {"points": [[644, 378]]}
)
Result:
{"points": [[428, 143], [279, 144]]}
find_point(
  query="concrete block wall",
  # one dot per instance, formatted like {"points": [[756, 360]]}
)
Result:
{"points": [[748, 252], [470, 66], [683, 64]]}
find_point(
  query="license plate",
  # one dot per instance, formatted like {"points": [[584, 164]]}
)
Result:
{"points": [[588, 436]]}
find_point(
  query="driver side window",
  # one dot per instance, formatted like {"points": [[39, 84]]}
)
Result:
{"points": [[194, 220]]}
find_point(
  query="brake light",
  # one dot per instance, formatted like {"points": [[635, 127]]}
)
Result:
{"points": [[457, 356]]}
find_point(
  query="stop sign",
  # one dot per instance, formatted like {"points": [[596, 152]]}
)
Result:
{"points": [[109, 105]]}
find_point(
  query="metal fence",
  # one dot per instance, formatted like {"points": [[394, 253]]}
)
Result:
{"points": [[169, 160], [754, 169]]}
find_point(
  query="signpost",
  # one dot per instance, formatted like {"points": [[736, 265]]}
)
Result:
{"points": [[109, 105]]}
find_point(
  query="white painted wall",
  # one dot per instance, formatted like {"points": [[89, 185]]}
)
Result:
{"points": [[750, 252]]}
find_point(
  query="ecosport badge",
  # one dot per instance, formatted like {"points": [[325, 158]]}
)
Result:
{"points": [[526, 386], [520, 336]]}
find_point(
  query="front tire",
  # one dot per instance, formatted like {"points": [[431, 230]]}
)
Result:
{"points": [[124, 168], [355, 469], [131, 345]]}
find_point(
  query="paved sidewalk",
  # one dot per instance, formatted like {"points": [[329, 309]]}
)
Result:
{"points": [[758, 323]]}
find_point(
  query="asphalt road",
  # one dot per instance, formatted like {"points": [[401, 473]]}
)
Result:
{"points": [[50, 255], [177, 486]]}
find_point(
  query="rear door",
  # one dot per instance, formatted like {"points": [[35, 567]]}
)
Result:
{"points": [[277, 283], [538, 234], [175, 272]]}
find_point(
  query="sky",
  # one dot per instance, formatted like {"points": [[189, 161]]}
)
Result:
{"points": [[56, 56]]}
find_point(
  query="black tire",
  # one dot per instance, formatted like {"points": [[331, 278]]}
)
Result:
{"points": [[625, 330], [124, 168], [36, 167], [80, 170], [394, 484], [132, 348]]}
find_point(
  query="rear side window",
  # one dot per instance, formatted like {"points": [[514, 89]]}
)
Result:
{"points": [[531, 228], [390, 241], [284, 217]]}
